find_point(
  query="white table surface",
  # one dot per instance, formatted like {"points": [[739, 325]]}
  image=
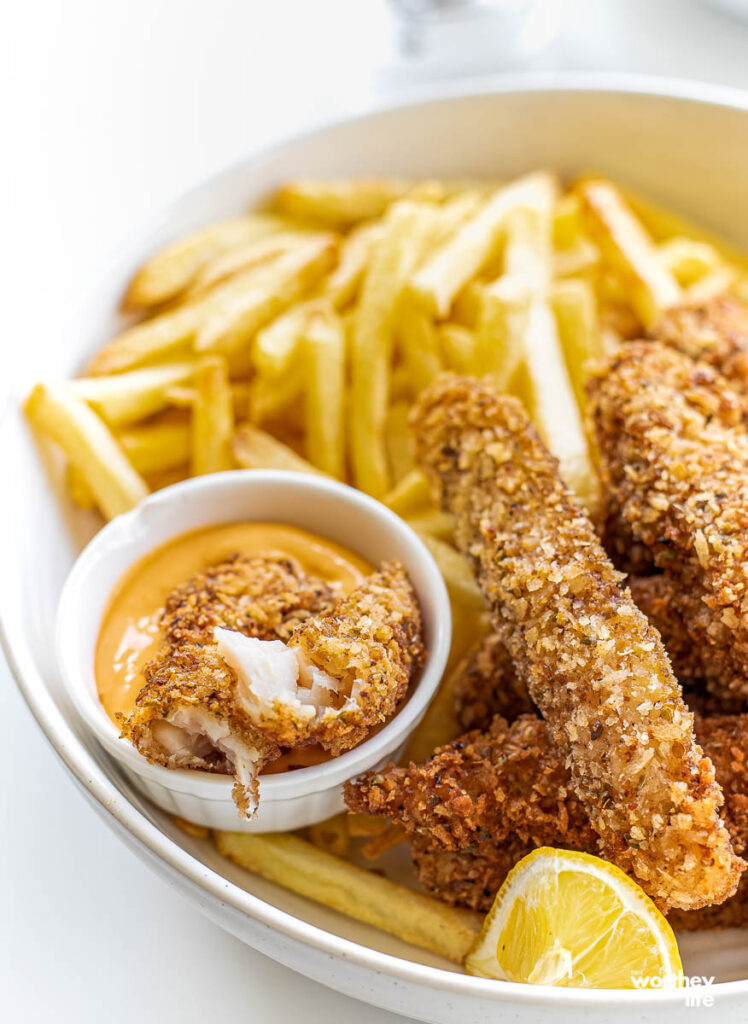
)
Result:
{"points": [[108, 110]]}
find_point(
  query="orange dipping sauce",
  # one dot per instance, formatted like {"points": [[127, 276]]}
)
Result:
{"points": [[130, 635]]}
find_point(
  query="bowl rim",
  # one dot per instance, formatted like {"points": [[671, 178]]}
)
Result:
{"points": [[122, 531], [145, 837]]}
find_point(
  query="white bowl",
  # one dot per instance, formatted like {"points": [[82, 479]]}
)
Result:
{"points": [[288, 800], [685, 145]]}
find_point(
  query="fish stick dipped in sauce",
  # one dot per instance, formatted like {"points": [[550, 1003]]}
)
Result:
{"points": [[592, 663]]}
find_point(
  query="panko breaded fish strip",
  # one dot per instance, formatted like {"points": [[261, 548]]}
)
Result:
{"points": [[187, 715], [714, 332], [342, 672], [675, 459], [593, 664], [488, 685]]}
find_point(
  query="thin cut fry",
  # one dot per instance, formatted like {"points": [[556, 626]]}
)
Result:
{"points": [[419, 344], [399, 443], [689, 261], [89, 445], [392, 836], [628, 247], [244, 257], [255, 449], [126, 397], [499, 338], [157, 447], [332, 835], [167, 274], [575, 307], [436, 524], [363, 826], [360, 894], [212, 418], [411, 494], [437, 283], [78, 488], [339, 203], [458, 346], [324, 364], [456, 572]]}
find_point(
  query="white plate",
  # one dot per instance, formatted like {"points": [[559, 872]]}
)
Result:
{"points": [[684, 145]]}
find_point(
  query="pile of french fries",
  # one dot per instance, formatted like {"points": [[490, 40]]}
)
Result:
{"points": [[299, 336]]}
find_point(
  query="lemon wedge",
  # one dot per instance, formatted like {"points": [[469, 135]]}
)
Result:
{"points": [[570, 919]]}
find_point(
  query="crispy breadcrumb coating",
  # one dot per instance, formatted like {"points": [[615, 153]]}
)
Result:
{"points": [[654, 595], [353, 665], [357, 655], [488, 685], [714, 332], [594, 666], [675, 462], [466, 878]]}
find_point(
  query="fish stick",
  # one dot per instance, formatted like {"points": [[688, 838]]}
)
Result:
{"points": [[675, 463], [488, 685], [594, 666]]}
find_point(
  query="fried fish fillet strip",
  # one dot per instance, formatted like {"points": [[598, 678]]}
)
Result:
{"points": [[342, 671], [187, 715], [715, 332], [675, 461], [489, 685], [654, 596], [594, 666]]}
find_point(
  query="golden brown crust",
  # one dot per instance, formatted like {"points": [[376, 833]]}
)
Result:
{"points": [[594, 666], [489, 685], [675, 459], [466, 878]]}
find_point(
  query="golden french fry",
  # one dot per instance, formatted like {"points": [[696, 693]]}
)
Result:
{"points": [[339, 203], [499, 338], [718, 282], [364, 826], [332, 835], [78, 487], [547, 392], [167, 274], [244, 257], [167, 477], [419, 344], [466, 308], [392, 836], [567, 228], [627, 246], [363, 895], [458, 345], [689, 261], [255, 449], [341, 285], [438, 281], [582, 258], [126, 397], [270, 399], [399, 442], [89, 444], [392, 261], [273, 288], [436, 524], [411, 495], [575, 307], [456, 571], [212, 418], [157, 447], [324, 372], [181, 397]]}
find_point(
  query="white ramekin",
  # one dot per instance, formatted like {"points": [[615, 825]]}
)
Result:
{"points": [[293, 799]]}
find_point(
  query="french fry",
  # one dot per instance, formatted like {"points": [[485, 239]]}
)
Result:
{"points": [[567, 228], [212, 418], [575, 307], [437, 283], [627, 246], [394, 258], [689, 261], [466, 308], [355, 251], [78, 488], [171, 270], [272, 289], [157, 447], [391, 837], [363, 895], [89, 444], [547, 392], [410, 495], [339, 203], [226, 318], [718, 282], [126, 397], [401, 454], [436, 524], [364, 826], [182, 396], [255, 449], [324, 404], [498, 339], [582, 258], [244, 257], [332, 835], [271, 399], [419, 345], [456, 572], [458, 345]]}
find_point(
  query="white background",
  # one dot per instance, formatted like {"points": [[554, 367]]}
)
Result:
{"points": [[109, 109]]}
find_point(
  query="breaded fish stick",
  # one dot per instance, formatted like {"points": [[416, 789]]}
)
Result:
{"points": [[675, 459], [594, 666], [488, 685]]}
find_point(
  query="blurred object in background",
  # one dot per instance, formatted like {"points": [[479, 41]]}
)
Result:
{"points": [[737, 7], [445, 38]]}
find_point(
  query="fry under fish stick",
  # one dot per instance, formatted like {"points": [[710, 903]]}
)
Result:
{"points": [[89, 445], [594, 666], [360, 894], [675, 454]]}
